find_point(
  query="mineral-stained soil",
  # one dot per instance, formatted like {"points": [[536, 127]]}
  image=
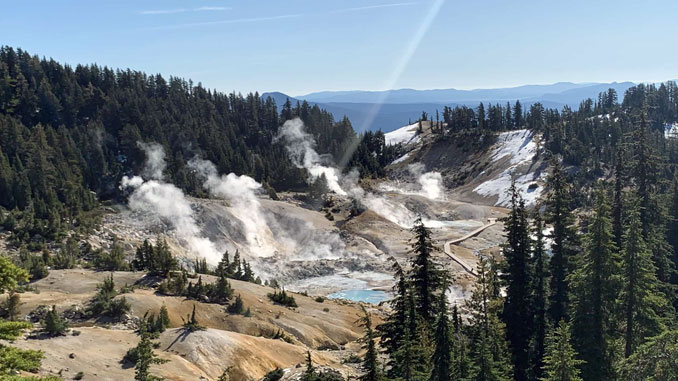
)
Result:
{"points": [[326, 328]]}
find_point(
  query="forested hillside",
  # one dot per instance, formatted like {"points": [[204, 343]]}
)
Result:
{"points": [[68, 134], [586, 287]]}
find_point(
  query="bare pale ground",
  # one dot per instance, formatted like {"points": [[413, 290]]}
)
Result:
{"points": [[238, 341], [230, 340]]}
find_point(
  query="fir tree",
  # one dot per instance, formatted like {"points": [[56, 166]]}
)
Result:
{"points": [[488, 344], [461, 360], [618, 208], [163, 321], [221, 292], [672, 233], [561, 363], [646, 170], [224, 265], [539, 296], [425, 275], [145, 357], [656, 359], [518, 115], [517, 312], [559, 215], [641, 297], [414, 353], [191, 322], [237, 307], [54, 325], [310, 373], [370, 363], [595, 283], [442, 362], [391, 331]]}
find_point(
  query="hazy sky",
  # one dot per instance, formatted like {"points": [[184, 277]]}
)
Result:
{"points": [[299, 46]]}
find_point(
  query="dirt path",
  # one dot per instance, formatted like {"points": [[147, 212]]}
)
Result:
{"points": [[446, 247]]}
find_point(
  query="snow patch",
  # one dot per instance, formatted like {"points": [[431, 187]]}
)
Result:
{"points": [[520, 148], [671, 131], [518, 145], [405, 135], [401, 159]]}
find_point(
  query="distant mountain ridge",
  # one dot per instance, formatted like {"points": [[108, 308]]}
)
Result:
{"points": [[445, 96], [389, 110]]}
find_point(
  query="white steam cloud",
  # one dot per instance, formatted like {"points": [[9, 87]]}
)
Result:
{"points": [[153, 196], [240, 192], [155, 160], [169, 203], [256, 230], [301, 147], [431, 182]]}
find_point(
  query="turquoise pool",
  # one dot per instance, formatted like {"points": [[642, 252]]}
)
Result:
{"points": [[367, 296]]}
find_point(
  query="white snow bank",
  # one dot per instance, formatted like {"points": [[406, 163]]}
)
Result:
{"points": [[401, 159], [520, 148], [518, 145], [500, 185], [405, 135], [671, 131]]}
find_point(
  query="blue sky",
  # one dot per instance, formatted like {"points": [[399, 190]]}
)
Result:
{"points": [[300, 46]]}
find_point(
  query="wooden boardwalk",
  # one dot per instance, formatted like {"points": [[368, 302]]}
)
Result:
{"points": [[448, 250]]}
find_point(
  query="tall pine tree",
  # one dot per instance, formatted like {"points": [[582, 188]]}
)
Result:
{"points": [[442, 361], [595, 283], [392, 331], [517, 276], [491, 358], [561, 362], [641, 297], [559, 215], [539, 297], [425, 272], [370, 363]]}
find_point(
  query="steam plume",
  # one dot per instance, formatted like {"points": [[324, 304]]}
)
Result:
{"points": [[155, 160], [240, 191], [431, 182], [301, 147], [169, 203]]}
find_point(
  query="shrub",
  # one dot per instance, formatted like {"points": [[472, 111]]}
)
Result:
{"points": [[54, 325], [131, 356], [10, 308], [274, 375], [34, 264], [281, 335], [104, 302], [11, 330], [113, 261], [191, 323], [79, 376], [319, 299], [158, 259], [117, 308], [237, 307], [14, 360], [282, 298]]}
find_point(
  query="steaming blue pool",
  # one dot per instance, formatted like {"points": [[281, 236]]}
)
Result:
{"points": [[367, 296]]}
